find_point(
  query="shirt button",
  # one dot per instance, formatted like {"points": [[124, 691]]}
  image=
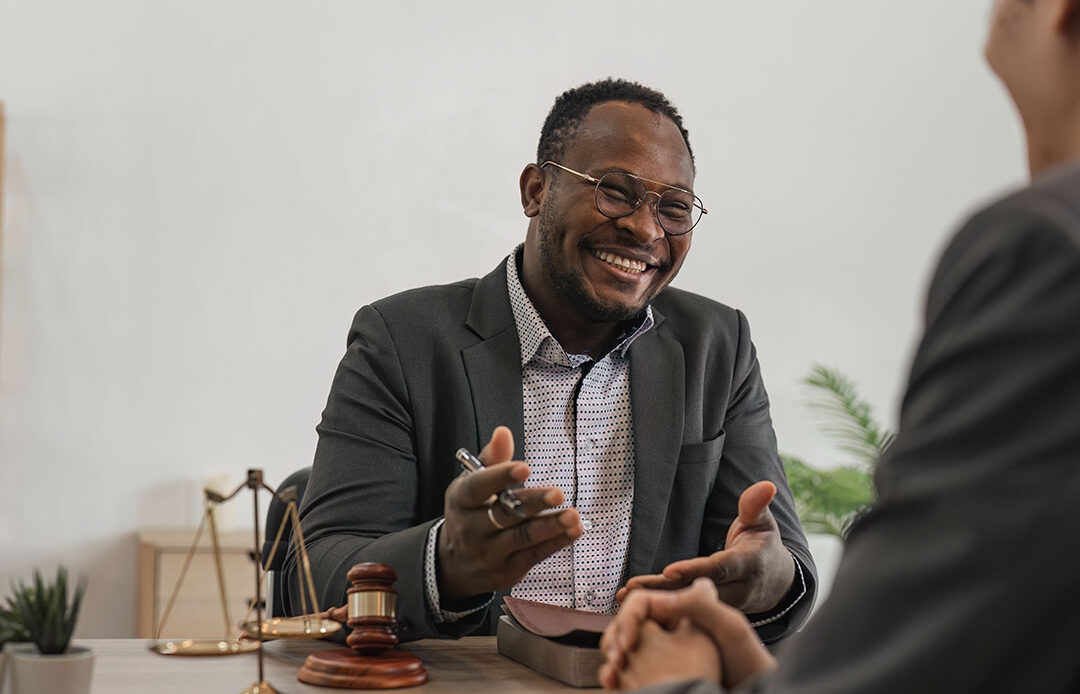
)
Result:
{"points": [[590, 596], [586, 523]]}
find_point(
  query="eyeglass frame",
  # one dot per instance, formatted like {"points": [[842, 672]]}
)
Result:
{"points": [[593, 180]]}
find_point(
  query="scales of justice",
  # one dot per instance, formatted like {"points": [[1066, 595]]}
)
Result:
{"points": [[369, 662]]}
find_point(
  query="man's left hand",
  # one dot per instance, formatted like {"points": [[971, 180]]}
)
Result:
{"points": [[753, 571]]}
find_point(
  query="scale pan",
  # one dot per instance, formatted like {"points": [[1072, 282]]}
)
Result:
{"points": [[203, 647], [291, 628]]}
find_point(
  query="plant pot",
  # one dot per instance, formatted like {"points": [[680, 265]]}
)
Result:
{"points": [[66, 673], [3, 670]]}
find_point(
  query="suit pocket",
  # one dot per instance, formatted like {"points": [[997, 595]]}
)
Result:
{"points": [[704, 452]]}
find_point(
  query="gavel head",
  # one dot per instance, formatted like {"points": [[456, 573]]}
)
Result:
{"points": [[372, 608]]}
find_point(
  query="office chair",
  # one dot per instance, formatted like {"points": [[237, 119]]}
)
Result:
{"points": [[277, 599]]}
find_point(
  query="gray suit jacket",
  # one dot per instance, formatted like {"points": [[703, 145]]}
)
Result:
{"points": [[433, 369], [964, 578]]}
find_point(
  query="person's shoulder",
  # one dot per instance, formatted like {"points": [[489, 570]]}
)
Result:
{"points": [[419, 310], [428, 297], [684, 311], [675, 300], [1013, 243], [1048, 208]]}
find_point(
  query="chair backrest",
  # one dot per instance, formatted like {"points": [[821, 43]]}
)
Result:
{"points": [[278, 602]]}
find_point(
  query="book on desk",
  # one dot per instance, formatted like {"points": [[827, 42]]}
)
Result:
{"points": [[559, 642]]}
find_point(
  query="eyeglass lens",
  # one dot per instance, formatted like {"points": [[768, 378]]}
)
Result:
{"points": [[619, 194]]}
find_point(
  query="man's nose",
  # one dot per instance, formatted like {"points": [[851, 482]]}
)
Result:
{"points": [[643, 222]]}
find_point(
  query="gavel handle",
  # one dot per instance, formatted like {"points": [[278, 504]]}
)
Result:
{"points": [[338, 614]]}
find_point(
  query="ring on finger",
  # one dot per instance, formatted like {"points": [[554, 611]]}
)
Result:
{"points": [[494, 521]]}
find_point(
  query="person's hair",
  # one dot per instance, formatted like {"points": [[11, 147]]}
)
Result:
{"points": [[564, 120]]}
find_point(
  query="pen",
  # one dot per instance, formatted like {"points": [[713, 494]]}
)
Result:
{"points": [[506, 497]]}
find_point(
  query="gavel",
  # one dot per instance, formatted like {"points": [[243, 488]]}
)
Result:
{"points": [[371, 660]]}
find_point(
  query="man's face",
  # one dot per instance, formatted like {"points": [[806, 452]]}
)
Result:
{"points": [[584, 256], [1027, 47], [1009, 44]]}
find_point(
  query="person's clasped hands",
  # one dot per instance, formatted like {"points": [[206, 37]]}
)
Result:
{"points": [[671, 636], [482, 547]]}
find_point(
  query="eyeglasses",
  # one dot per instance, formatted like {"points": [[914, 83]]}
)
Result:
{"points": [[620, 194]]}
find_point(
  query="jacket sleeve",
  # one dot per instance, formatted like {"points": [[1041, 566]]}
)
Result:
{"points": [[750, 455], [361, 503]]}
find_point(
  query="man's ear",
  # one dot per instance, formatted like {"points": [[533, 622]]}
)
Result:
{"points": [[1068, 18], [532, 189]]}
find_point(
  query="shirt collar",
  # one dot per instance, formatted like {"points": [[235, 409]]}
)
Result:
{"points": [[535, 338]]}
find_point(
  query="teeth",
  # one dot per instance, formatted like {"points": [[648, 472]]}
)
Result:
{"points": [[621, 262]]}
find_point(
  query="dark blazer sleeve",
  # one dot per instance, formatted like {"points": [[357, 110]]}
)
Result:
{"points": [[750, 455], [963, 577], [361, 503]]}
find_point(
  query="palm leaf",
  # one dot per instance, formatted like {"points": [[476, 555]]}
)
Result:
{"points": [[831, 500], [848, 418]]}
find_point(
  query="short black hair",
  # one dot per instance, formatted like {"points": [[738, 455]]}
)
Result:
{"points": [[564, 120]]}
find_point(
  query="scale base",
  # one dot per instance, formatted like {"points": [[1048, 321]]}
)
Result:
{"points": [[260, 688]]}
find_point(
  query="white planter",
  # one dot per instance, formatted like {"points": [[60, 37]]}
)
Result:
{"points": [[33, 673], [3, 670]]}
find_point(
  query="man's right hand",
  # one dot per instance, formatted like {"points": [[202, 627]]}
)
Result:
{"points": [[475, 557]]}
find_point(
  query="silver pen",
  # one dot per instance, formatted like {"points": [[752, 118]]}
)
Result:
{"points": [[506, 497]]}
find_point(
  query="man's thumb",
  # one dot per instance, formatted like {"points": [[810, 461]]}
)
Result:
{"points": [[754, 502]]}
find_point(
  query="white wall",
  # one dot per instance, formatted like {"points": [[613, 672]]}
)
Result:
{"points": [[200, 194]]}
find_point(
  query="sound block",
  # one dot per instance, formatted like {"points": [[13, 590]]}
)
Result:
{"points": [[347, 669]]}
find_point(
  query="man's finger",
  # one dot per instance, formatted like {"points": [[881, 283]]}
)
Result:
{"points": [[742, 652], [621, 635], [475, 489], [534, 500], [500, 448], [754, 503], [669, 607], [608, 677], [653, 582], [687, 570], [537, 530], [520, 561], [725, 566]]}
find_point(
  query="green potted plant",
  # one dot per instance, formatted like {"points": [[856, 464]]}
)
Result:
{"points": [[49, 663], [829, 501]]}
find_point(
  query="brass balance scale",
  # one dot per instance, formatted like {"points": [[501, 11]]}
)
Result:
{"points": [[312, 624]]}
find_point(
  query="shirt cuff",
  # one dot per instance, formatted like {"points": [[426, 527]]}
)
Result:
{"points": [[798, 591], [431, 582]]}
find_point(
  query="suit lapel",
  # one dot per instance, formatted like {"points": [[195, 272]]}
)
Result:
{"points": [[657, 400], [493, 366]]}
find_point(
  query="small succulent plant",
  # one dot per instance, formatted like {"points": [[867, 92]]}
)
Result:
{"points": [[11, 624], [46, 611]]}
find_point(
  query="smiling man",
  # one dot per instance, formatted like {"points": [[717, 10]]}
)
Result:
{"points": [[638, 410]]}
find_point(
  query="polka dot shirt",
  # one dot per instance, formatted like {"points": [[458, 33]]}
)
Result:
{"points": [[579, 437]]}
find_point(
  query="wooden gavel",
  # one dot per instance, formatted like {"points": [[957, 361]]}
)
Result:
{"points": [[371, 661]]}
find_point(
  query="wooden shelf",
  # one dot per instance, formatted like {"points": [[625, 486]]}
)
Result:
{"points": [[197, 612]]}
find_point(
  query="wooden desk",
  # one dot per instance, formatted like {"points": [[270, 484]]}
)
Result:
{"points": [[471, 664]]}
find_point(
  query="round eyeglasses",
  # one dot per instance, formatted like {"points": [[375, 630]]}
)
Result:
{"points": [[620, 194]]}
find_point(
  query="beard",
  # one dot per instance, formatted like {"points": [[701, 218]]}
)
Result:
{"points": [[568, 281]]}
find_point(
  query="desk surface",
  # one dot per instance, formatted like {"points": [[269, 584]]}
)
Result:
{"points": [[471, 664]]}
